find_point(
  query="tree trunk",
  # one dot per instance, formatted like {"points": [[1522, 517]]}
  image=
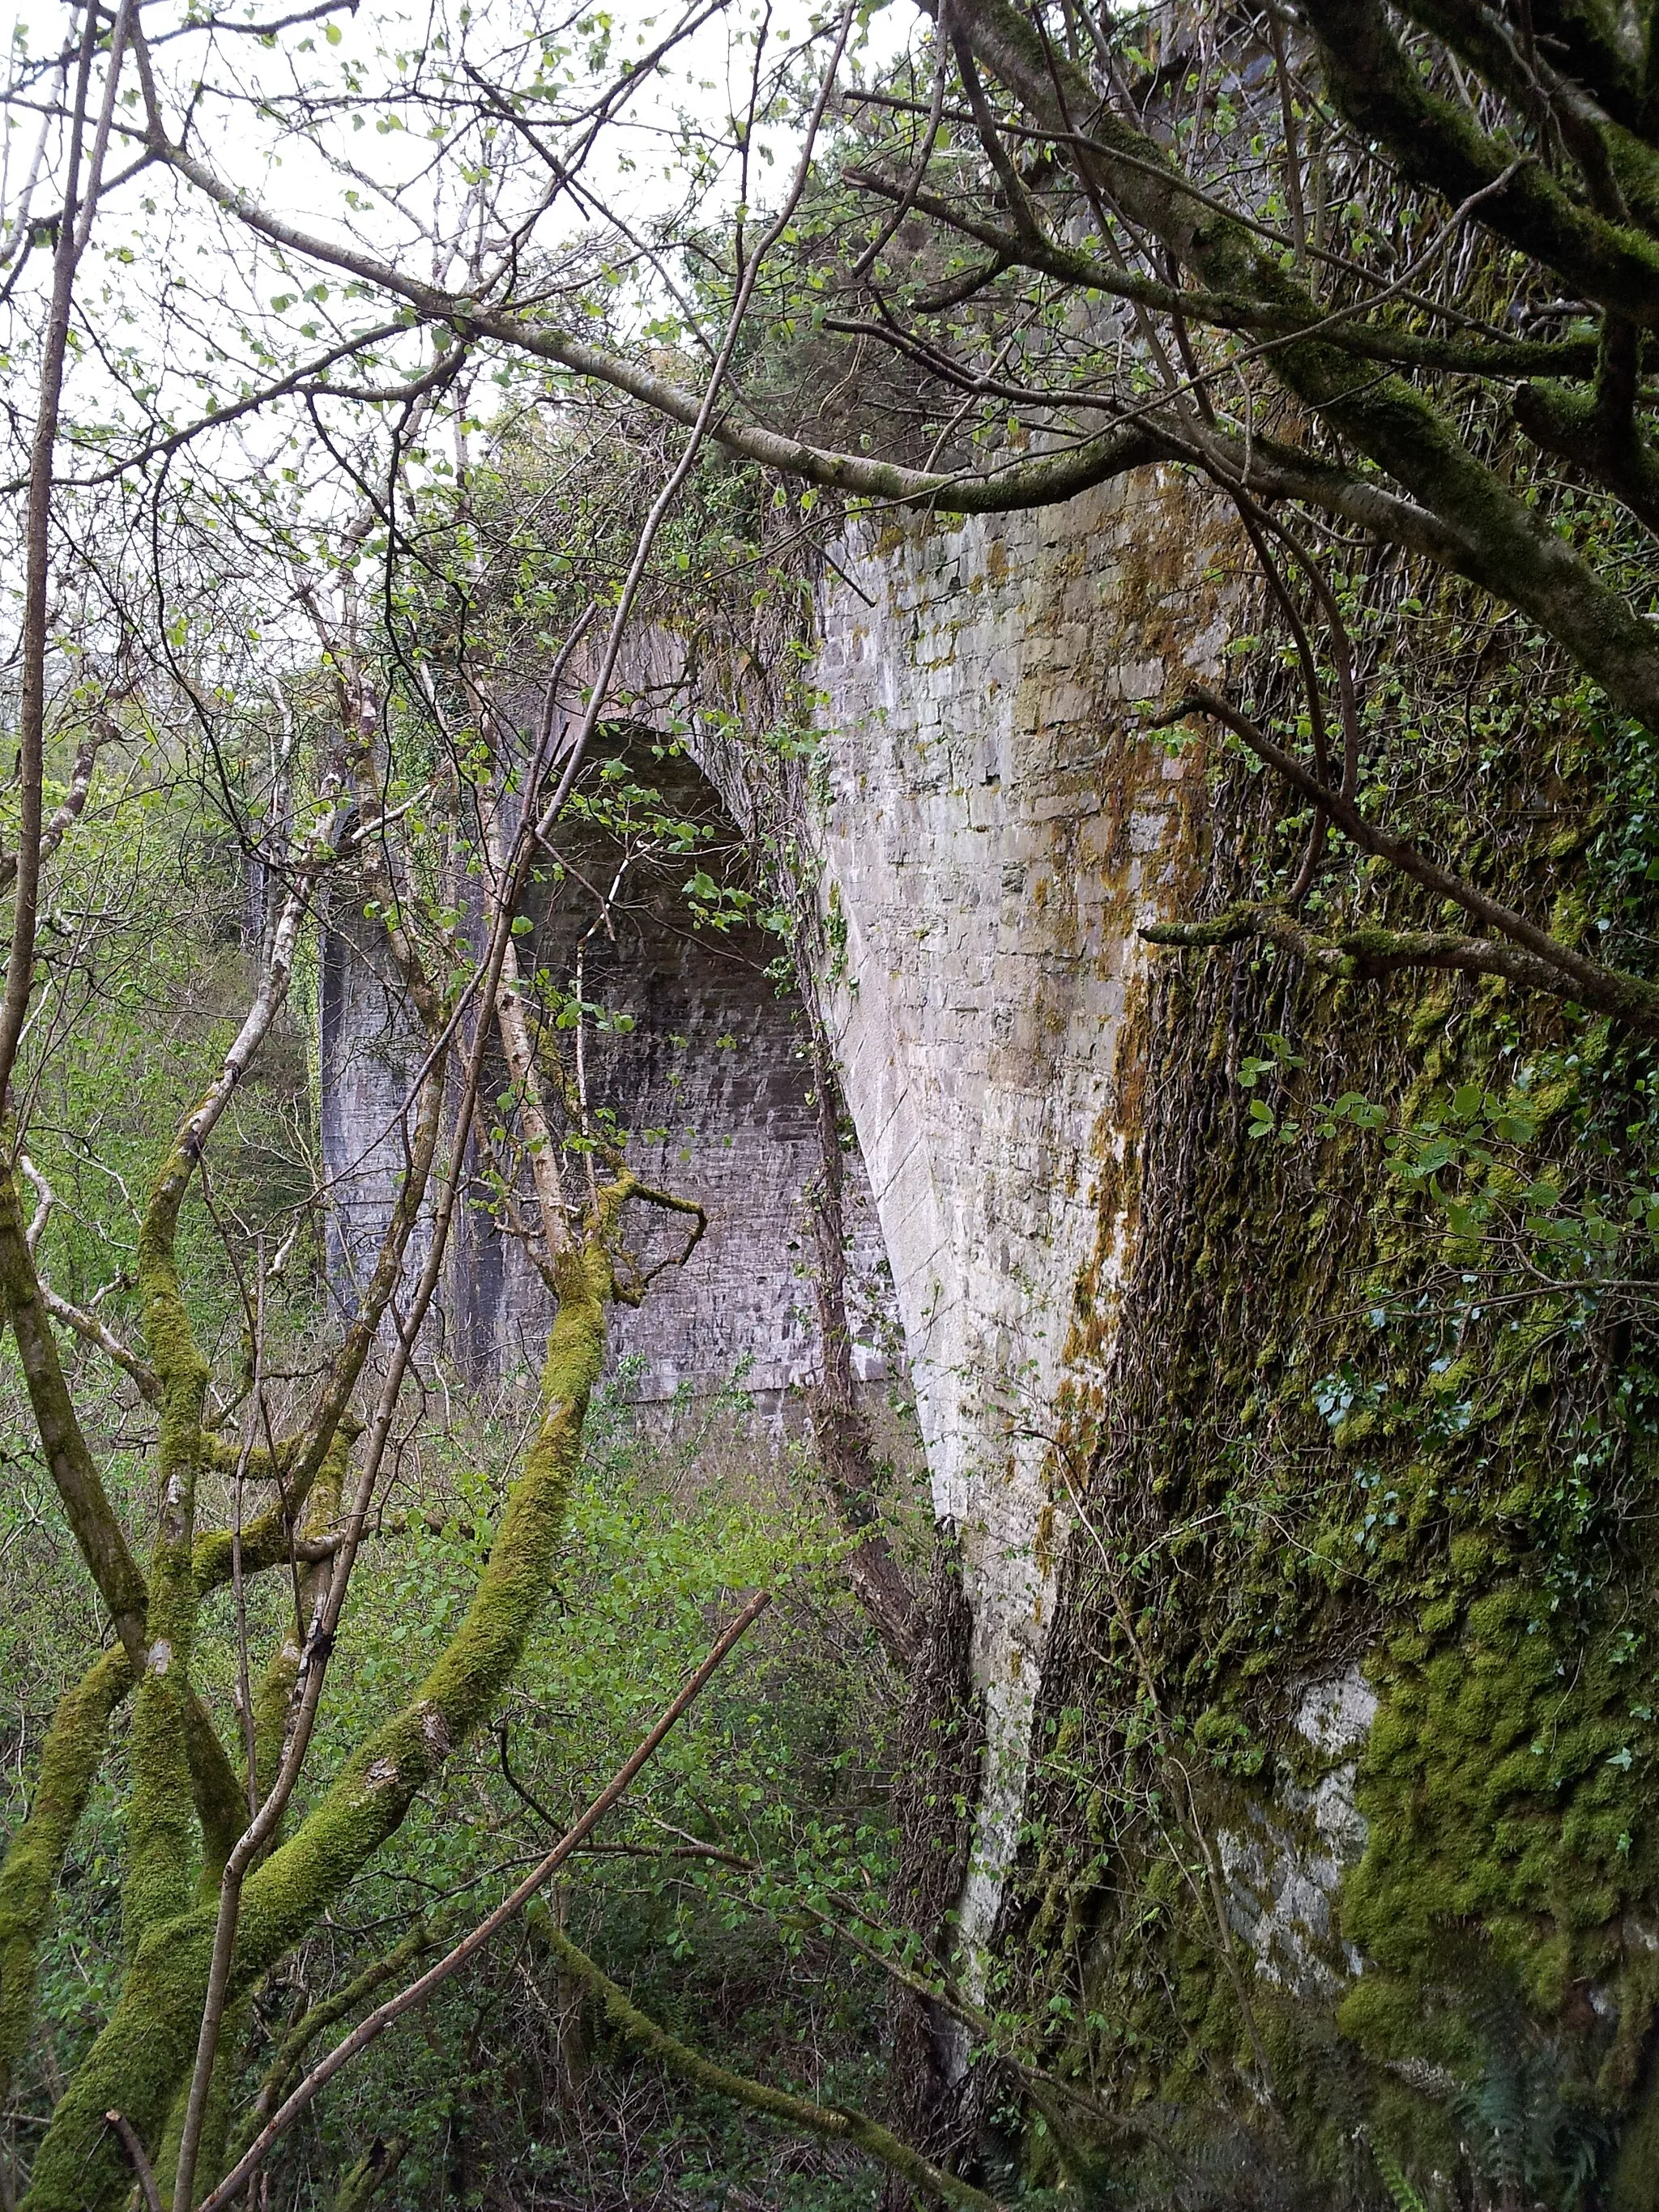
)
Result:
{"points": [[940, 1754]]}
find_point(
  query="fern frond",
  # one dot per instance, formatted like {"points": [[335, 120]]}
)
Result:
{"points": [[1407, 2197]]}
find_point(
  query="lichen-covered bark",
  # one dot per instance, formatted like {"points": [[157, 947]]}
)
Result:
{"points": [[216, 2113], [272, 1713], [91, 1518], [160, 1824], [1441, 144], [1491, 535], [70, 1757], [80, 1487], [370, 2175], [273, 1698]]}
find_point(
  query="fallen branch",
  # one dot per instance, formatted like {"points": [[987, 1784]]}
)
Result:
{"points": [[833, 2122]]}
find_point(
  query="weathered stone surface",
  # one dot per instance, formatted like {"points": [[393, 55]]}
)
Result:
{"points": [[996, 828], [1096, 1271], [991, 824], [370, 1058], [1284, 1869]]}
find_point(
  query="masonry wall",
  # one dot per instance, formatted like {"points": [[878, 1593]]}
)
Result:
{"points": [[1319, 1813], [990, 822], [995, 824], [702, 1064], [1311, 1800]]}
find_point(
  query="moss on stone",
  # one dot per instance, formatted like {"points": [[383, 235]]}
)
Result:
{"points": [[1287, 1494]]}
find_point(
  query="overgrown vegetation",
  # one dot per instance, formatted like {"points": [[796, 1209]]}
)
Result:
{"points": [[382, 559]]}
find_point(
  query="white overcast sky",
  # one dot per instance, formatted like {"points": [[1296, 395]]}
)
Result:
{"points": [[156, 239]]}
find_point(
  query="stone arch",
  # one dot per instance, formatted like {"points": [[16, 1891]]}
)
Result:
{"points": [[703, 1065]]}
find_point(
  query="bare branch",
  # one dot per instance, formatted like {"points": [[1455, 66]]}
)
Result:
{"points": [[141, 2166]]}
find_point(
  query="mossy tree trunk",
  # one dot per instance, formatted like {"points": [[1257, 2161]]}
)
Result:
{"points": [[141, 2059]]}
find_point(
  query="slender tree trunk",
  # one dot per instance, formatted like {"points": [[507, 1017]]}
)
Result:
{"points": [[28, 1880], [846, 1450], [941, 1755]]}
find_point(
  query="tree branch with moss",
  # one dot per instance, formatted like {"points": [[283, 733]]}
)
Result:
{"points": [[1532, 956], [831, 2123]]}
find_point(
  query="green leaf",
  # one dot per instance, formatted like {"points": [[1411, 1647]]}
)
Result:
{"points": [[1514, 1128], [1407, 2197]]}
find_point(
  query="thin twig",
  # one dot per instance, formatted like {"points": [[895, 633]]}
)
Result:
{"points": [[141, 2166]]}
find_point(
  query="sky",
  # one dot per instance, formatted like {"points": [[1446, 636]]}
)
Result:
{"points": [[169, 281], [180, 312], [639, 168]]}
